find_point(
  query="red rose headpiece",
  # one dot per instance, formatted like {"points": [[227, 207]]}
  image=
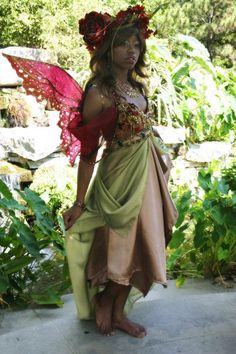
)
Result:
{"points": [[95, 25]]}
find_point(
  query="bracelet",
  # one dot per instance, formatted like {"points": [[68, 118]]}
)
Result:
{"points": [[79, 204]]}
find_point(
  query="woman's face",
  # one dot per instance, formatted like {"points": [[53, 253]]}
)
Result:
{"points": [[126, 53]]}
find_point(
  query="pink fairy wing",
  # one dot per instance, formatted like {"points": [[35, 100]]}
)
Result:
{"points": [[47, 81]]}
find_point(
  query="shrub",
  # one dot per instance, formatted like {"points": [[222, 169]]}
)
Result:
{"points": [[27, 229], [204, 239]]}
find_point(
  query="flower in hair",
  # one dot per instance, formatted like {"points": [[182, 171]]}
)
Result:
{"points": [[135, 15], [93, 27]]}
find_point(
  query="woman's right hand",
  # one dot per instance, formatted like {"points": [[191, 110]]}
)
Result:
{"points": [[71, 215]]}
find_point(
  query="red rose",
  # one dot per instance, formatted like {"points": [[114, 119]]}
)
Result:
{"points": [[138, 9], [135, 15], [93, 27]]}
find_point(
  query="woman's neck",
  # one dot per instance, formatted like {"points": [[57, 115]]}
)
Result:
{"points": [[120, 75]]}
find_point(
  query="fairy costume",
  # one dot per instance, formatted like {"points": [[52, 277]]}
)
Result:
{"points": [[122, 233]]}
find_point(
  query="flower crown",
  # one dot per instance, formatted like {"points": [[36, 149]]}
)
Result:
{"points": [[95, 25]]}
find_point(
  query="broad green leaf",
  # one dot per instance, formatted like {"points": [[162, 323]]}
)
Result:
{"points": [[17, 264], [184, 202], [12, 232], [4, 190], [180, 219], [199, 235], [181, 71], [5, 240], [11, 204], [205, 64], [61, 224], [172, 259], [2, 232], [217, 215], [218, 232], [35, 202], [222, 254], [207, 204], [177, 239], [204, 180], [229, 218], [4, 282], [222, 187], [27, 237], [40, 210]]}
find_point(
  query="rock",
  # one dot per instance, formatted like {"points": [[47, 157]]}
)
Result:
{"points": [[53, 159], [8, 76], [30, 53], [3, 153], [24, 111], [52, 117], [19, 160], [208, 151], [171, 135], [33, 143], [184, 173], [37, 111], [9, 170]]}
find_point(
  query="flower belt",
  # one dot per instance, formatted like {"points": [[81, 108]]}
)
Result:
{"points": [[119, 143]]}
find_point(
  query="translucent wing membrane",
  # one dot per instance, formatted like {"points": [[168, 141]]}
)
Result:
{"points": [[47, 81]]}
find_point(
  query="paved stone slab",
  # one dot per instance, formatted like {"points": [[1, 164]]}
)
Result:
{"points": [[197, 319]]}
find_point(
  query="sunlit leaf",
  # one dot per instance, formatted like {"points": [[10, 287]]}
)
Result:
{"points": [[180, 281], [204, 180], [177, 239]]}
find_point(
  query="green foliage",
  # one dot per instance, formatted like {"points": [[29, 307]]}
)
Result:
{"points": [[20, 22], [212, 22], [27, 228], [188, 91], [56, 186], [205, 237], [53, 25]]}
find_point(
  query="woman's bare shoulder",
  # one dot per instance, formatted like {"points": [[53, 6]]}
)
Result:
{"points": [[95, 102], [92, 103]]}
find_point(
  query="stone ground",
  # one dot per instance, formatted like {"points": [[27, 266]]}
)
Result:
{"points": [[198, 318]]}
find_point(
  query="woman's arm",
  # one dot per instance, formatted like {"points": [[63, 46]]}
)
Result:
{"points": [[92, 106]]}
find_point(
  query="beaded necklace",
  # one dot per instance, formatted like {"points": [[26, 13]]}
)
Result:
{"points": [[127, 89]]}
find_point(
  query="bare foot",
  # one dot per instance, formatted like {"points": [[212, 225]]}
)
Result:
{"points": [[130, 327], [103, 309]]}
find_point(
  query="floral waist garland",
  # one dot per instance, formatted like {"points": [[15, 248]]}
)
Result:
{"points": [[133, 125]]}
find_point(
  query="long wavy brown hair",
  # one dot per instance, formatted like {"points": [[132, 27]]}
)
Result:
{"points": [[101, 62]]}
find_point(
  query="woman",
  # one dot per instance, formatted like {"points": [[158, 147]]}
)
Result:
{"points": [[117, 230]]}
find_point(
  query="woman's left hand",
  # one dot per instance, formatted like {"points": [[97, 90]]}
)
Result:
{"points": [[71, 215]]}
